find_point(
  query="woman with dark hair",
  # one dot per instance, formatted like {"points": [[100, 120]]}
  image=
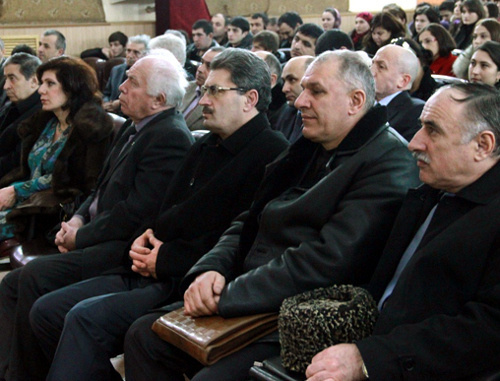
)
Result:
{"points": [[492, 9], [361, 29], [485, 64], [330, 19], [485, 30], [63, 147], [472, 11], [384, 28], [436, 39], [422, 17]]}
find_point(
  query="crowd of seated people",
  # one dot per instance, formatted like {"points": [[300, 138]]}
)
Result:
{"points": [[367, 157]]}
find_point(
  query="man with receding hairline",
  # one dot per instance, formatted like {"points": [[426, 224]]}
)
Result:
{"points": [[321, 216], [394, 69]]}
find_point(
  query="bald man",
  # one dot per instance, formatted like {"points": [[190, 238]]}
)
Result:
{"points": [[290, 120], [394, 69]]}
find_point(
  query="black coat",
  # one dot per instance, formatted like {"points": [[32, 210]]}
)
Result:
{"points": [[132, 183], [10, 143], [216, 182], [295, 238], [442, 320], [403, 113]]}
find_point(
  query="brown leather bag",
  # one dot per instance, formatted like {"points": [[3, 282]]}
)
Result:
{"points": [[210, 338]]}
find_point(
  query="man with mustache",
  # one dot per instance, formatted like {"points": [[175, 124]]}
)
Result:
{"points": [[320, 217], [438, 281], [216, 182], [190, 109]]}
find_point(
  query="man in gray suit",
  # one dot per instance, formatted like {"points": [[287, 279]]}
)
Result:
{"points": [[146, 153], [190, 109]]}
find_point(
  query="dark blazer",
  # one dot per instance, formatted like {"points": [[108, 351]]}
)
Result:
{"points": [[132, 183], [10, 143], [298, 236], [216, 182], [403, 113], [111, 92], [442, 320]]}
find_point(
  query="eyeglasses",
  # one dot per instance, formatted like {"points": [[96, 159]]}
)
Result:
{"points": [[216, 90]]}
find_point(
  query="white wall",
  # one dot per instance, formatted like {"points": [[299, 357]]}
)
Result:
{"points": [[376, 5], [122, 11]]}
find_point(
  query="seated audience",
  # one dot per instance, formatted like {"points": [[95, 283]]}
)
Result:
{"points": [[361, 28], [330, 19], [485, 64], [273, 25], [472, 12], [172, 43], [485, 30], [333, 40], [266, 41], [214, 185], [492, 10], [52, 44], [439, 304], [399, 14], [63, 145], [137, 47], [21, 87], [303, 230], [304, 40], [219, 24], [117, 43], [258, 23], [394, 69], [146, 153], [238, 33], [436, 39], [191, 109], [384, 28], [288, 24], [422, 17]]}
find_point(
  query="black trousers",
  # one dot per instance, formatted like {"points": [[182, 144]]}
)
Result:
{"points": [[87, 322], [21, 357], [147, 357]]}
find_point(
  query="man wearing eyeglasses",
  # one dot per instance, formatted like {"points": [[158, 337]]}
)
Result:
{"points": [[216, 182], [190, 108], [321, 216]]}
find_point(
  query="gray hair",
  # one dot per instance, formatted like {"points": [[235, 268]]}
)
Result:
{"points": [[247, 71], [172, 43], [60, 39], [481, 110], [27, 63], [141, 39], [352, 71], [166, 77]]}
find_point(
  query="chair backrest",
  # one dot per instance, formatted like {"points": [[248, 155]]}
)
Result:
{"points": [[98, 65], [117, 122]]}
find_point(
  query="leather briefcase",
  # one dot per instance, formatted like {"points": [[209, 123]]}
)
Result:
{"points": [[210, 338]]}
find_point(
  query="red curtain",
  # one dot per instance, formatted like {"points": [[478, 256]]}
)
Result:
{"points": [[179, 14]]}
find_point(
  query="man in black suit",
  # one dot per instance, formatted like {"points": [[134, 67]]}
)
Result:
{"points": [[147, 152], [137, 47], [394, 69], [216, 183], [438, 280], [21, 87]]}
